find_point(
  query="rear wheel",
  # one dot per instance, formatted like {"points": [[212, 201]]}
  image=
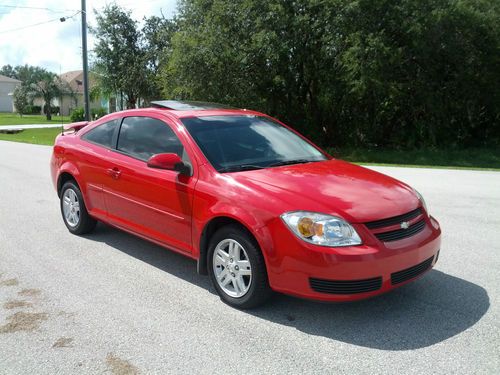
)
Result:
{"points": [[74, 212], [237, 269]]}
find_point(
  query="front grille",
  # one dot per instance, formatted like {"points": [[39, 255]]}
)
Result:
{"points": [[410, 273], [394, 220], [398, 234], [345, 286]]}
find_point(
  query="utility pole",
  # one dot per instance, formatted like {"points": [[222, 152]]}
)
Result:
{"points": [[85, 62]]}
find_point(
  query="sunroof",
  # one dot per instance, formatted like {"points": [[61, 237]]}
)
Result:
{"points": [[178, 105]]}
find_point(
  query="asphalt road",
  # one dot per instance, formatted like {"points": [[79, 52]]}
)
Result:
{"points": [[111, 303]]}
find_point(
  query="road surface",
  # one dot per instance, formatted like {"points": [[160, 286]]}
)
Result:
{"points": [[30, 126], [111, 303]]}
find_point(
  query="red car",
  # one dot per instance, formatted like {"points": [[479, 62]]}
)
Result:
{"points": [[258, 206]]}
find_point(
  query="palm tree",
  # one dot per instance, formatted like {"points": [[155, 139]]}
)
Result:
{"points": [[48, 88]]}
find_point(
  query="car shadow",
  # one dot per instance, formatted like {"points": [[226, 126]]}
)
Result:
{"points": [[430, 310]]}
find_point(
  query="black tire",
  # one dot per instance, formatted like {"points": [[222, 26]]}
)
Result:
{"points": [[258, 291], [85, 223]]}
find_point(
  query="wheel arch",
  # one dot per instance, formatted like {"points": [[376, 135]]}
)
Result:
{"points": [[208, 231], [62, 179], [68, 171]]}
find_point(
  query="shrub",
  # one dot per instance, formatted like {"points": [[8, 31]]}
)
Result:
{"points": [[20, 100], [98, 113], [33, 110], [78, 114], [53, 109]]}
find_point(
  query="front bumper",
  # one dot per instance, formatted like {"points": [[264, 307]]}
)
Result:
{"points": [[349, 273]]}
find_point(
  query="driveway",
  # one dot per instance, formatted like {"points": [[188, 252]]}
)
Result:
{"points": [[112, 303]]}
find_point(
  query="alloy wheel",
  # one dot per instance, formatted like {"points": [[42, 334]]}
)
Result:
{"points": [[71, 207], [232, 268]]}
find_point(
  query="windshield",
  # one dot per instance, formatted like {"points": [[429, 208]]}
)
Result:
{"points": [[236, 143]]}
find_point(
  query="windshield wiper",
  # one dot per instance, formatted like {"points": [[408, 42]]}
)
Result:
{"points": [[289, 162], [240, 167], [249, 167]]}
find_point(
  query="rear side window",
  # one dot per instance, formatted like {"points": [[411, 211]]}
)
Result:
{"points": [[102, 134], [142, 137]]}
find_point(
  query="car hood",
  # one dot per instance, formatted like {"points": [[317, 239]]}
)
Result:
{"points": [[336, 187]]}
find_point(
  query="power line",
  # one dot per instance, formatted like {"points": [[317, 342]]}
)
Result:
{"points": [[28, 26], [37, 8], [37, 24]]}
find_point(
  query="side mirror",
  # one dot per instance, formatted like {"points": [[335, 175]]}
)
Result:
{"points": [[171, 162]]}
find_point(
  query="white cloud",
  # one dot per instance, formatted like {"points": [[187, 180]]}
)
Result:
{"points": [[54, 45]]}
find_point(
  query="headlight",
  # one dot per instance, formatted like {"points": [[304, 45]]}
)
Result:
{"points": [[421, 199], [320, 229]]}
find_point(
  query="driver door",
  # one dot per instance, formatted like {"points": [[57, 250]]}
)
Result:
{"points": [[151, 202]]}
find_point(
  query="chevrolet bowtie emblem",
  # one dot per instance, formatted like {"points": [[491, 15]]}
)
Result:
{"points": [[405, 225]]}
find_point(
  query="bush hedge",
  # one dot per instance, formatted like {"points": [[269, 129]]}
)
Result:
{"points": [[53, 109], [33, 110], [78, 114]]}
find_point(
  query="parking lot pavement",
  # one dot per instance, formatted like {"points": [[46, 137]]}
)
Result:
{"points": [[111, 303]]}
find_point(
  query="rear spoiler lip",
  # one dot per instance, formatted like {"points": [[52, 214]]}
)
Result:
{"points": [[76, 125]]}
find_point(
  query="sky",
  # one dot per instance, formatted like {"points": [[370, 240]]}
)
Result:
{"points": [[53, 44]]}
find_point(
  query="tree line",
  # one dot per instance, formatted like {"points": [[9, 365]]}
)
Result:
{"points": [[373, 73], [386, 73], [396, 73]]}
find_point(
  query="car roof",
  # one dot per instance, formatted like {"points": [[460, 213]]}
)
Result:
{"points": [[186, 105], [183, 109]]}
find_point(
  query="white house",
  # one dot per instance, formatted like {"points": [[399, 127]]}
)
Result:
{"points": [[7, 87]]}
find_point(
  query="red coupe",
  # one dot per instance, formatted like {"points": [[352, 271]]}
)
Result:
{"points": [[258, 206]]}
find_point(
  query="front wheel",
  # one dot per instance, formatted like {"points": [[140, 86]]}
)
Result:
{"points": [[237, 269], [73, 210]]}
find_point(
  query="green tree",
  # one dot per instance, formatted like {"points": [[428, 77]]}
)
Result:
{"points": [[127, 58], [48, 87], [119, 59], [29, 74], [157, 34], [391, 73], [423, 73], [8, 71], [21, 99], [277, 56]]}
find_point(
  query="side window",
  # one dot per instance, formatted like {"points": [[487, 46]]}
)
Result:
{"points": [[142, 137], [102, 134]]}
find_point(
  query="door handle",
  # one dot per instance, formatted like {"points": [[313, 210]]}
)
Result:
{"points": [[114, 173]]}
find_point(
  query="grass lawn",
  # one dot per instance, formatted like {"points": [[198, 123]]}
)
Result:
{"points": [[488, 158], [36, 136], [15, 119]]}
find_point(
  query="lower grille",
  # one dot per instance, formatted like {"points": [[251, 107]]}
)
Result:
{"points": [[398, 234], [345, 286], [410, 273]]}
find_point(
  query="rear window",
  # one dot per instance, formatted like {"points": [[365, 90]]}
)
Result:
{"points": [[102, 134]]}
